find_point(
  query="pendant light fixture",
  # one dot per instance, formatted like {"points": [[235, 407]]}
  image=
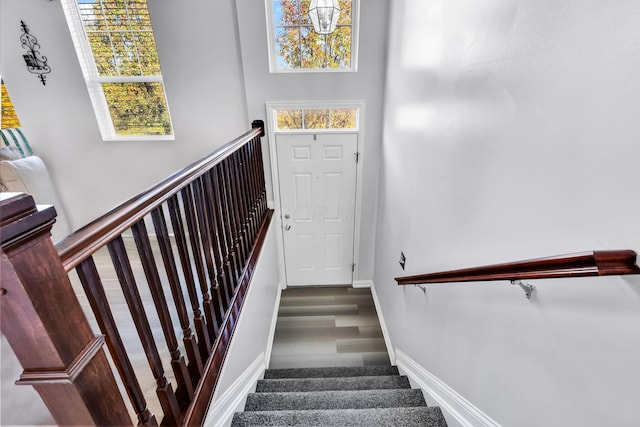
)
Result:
{"points": [[324, 15]]}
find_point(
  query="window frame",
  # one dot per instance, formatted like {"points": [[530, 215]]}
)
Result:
{"points": [[94, 81], [273, 59], [306, 106]]}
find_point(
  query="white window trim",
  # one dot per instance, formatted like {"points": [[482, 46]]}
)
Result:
{"points": [[274, 107], [273, 64], [94, 81]]}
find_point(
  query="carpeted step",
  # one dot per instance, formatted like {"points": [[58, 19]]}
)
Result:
{"points": [[422, 416], [352, 399], [355, 371], [326, 384]]}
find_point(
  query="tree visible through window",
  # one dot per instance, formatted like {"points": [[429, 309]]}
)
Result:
{"points": [[9, 119], [124, 71], [298, 46], [317, 118]]}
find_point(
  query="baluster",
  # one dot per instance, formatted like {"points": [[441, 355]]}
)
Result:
{"points": [[236, 203], [243, 230], [249, 190], [254, 174], [217, 238], [129, 287], [97, 297], [236, 255], [190, 344], [230, 259], [184, 388], [255, 146], [255, 184], [257, 149], [192, 226], [206, 236], [235, 258], [198, 320]]}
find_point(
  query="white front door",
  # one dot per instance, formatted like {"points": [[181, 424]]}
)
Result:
{"points": [[317, 176]]}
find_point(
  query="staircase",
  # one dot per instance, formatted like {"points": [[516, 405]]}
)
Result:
{"points": [[352, 396]]}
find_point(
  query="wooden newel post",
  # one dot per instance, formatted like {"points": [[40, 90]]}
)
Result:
{"points": [[45, 325]]}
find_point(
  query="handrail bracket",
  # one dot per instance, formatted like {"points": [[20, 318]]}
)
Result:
{"points": [[424, 289], [526, 287]]}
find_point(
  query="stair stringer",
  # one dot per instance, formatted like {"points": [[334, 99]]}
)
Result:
{"points": [[458, 410], [233, 399]]}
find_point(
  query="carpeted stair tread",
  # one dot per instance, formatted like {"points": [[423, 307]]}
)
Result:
{"points": [[326, 384], [422, 416], [351, 399], [355, 371]]}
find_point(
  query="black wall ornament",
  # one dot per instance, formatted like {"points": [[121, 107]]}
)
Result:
{"points": [[36, 63]]}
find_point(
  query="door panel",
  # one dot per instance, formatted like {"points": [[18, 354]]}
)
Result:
{"points": [[317, 176]]}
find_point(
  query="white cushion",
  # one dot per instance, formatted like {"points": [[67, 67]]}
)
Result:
{"points": [[30, 175], [10, 153]]}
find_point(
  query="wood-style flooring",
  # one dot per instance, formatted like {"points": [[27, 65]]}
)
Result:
{"points": [[327, 326], [21, 405]]}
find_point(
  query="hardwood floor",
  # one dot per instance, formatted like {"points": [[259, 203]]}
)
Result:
{"points": [[125, 323], [16, 399], [327, 326]]}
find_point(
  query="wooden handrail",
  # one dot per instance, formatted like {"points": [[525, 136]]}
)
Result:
{"points": [[591, 263], [96, 234], [209, 224]]}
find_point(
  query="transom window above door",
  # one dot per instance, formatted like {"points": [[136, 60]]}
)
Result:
{"points": [[294, 45], [316, 118]]}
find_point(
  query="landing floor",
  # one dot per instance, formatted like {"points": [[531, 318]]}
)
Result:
{"points": [[327, 326]]}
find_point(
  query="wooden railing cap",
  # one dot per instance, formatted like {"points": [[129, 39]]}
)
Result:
{"points": [[96, 234], [22, 219]]}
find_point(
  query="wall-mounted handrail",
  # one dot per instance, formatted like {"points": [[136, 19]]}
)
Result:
{"points": [[591, 263]]}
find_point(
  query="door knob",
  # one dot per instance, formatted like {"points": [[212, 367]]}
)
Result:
{"points": [[287, 216], [287, 227]]}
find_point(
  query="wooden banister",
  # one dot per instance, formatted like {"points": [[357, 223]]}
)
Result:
{"points": [[218, 221], [96, 234], [45, 325], [592, 263]]}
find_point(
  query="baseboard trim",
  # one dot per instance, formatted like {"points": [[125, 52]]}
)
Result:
{"points": [[453, 404], [272, 330], [362, 283], [222, 409], [383, 325]]}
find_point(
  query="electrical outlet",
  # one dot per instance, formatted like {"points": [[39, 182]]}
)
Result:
{"points": [[403, 260]]}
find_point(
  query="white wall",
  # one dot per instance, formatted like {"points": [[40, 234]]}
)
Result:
{"points": [[364, 85], [511, 132], [203, 80]]}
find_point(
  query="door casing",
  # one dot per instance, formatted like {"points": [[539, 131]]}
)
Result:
{"points": [[272, 107]]}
